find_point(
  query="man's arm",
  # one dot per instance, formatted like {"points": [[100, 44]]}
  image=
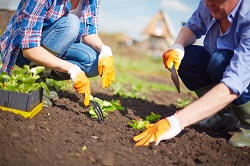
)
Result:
{"points": [[212, 102], [185, 37], [43, 57]]}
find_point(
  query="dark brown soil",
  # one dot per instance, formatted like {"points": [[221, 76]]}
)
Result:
{"points": [[57, 135]]}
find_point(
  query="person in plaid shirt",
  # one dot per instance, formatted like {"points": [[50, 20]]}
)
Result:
{"points": [[60, 35]]}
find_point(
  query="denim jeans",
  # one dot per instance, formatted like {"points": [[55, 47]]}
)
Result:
{"points": [[199, 69], [60, 38]]}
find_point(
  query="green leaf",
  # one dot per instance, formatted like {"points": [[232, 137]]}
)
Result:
{"points": [[37, 70], [152, 118], [138, 124], [106, 106]]}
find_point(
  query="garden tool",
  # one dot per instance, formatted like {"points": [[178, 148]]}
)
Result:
{"points": [[97, 110], [175, 78], [242, 138]]}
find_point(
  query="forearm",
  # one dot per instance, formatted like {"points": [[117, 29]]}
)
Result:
{"points": [[185, 37], [209, 104], [43, 57], [93, 41]]}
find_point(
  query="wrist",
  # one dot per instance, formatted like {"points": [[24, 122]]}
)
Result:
{"points": [[105, 51], [179, 48], [73, 71], [175, 122]]}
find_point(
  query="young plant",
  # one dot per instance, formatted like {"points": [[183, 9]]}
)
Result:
{"points": [[106, 107], [181, 103], [138, 124], [141, 124], [63, 85], [22, 80]]}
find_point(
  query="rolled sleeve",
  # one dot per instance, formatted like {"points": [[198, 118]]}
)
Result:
{"points": [[30, 30], [196, 23], [237, 74]]}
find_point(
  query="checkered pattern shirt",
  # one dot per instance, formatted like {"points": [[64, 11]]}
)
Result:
{"points": [[25, 28]]}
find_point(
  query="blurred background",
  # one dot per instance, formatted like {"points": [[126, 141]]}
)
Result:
{"points": [[131, 18], [138, 31]]}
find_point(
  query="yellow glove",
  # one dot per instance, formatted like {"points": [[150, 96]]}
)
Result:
{"points": [[81, 82], [162, 130], [106, 66], [173, 56]]}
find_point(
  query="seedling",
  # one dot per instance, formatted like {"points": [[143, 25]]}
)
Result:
{"points": [[106, 107], [181, 103], [141, 124]]}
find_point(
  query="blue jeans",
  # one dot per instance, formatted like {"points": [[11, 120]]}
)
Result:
{"points": [[61, 38], [199, 69]]}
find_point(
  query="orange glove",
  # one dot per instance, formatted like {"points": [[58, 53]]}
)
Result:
{"points": [[173, 56], [106, 66], [162, 130], [81, 82]]}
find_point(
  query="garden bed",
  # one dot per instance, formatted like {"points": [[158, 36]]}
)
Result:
{"points": [[65, 134]]}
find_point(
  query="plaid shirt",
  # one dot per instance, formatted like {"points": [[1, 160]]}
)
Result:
{"points": [[25, 28]]}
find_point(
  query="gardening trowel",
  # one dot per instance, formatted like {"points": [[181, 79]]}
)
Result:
{"points": [[175, 78]]}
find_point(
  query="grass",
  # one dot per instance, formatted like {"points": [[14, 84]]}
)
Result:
{"points": [[131, 62]]}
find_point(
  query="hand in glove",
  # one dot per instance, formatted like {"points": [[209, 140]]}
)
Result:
{"points": [[162, 130], [81, 82], [173, 56], [106, 66]]}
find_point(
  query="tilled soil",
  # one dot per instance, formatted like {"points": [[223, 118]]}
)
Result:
{"points": [[66, 135]]}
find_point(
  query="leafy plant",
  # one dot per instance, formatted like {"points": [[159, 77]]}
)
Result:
{"points": [[22, 80], [59, 85], [106, 107], [181, 103], [141, 124], [152, 118], [138, 124]]}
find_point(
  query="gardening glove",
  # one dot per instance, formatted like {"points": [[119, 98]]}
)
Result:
{"points": [[81, 82], [173, 56], [106, 66], [162, 130]]}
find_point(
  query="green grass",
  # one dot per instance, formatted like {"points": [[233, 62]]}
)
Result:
{"points": [[127, 83]]}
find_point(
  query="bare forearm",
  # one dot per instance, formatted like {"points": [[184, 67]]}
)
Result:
{"points": [[43, 57], [209, 104], [93, 41], [185, 37]]}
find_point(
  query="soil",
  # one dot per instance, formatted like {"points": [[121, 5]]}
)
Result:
{"points": [[65, 134]]}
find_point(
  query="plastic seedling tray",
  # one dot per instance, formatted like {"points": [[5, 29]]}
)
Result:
{"points": [[25, 104]]}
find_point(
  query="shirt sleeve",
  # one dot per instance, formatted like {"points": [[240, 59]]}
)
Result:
{"points": [[32, 15], [237, 74], [89, 19], [196, 23]]}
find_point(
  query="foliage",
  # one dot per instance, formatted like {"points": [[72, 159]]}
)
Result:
{"points": [[181, 103], [152, 118], [138, 124], [64, 85], [106, 107], [22, 80], [141, 124], [132, 91]]}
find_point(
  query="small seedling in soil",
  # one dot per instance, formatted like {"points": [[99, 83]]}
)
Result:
{"points": [[141, 124], [181, 103], [106, 107]]}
